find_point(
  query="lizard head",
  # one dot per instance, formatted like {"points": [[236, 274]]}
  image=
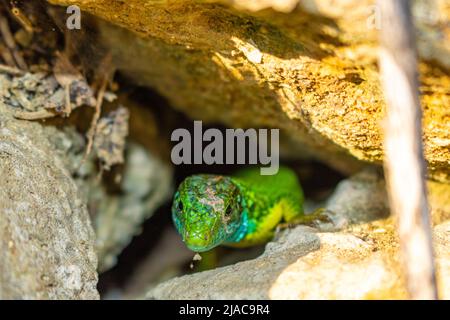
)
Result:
{"points": [[206, 211]]}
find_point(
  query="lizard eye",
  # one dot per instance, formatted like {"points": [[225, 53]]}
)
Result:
{"points": [[180, 205], [228, 211]]}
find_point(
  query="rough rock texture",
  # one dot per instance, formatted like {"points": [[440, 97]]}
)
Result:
{"points": [[343, 268], [303, 264], [361, 198], [359, 262], [162, 263], [314, 76], [362, 265], [146, 184], [439, 201], [441, 242], [119, 207], [358, 18], [46, 238], [129, 194], [245, 280]]}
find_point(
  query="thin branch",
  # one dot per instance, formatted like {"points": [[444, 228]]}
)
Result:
{"points": [[404, 161], [34, 115], [11, 70], [93, 127], [11, 43]]}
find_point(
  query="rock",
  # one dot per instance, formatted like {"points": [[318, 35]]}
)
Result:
{"points": [[344, 268], [303, 264], [364, 265], [131, 193], [118, 206], [146, 184], [245, 280], [439, 201], [442, 252], [358, 20], [46, 237], [158, 265], [311, 72], [361, 198]]}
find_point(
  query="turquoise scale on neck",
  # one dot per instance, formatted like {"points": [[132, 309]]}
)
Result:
{"points": [[241, 232]]}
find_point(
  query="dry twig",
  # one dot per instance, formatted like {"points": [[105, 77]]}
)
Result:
{"points": [[11, 70], [404, 161], [8, 39], [93, 126], [22, 19], [105, 73]]}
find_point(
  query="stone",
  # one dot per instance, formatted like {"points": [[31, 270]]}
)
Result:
{"points": [[46, 238], [146, 184], [245, 280], [361, 198], [304, 264], [311, 72]]}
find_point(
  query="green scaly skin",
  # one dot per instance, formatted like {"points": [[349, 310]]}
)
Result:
{"points": [[239, 210]]}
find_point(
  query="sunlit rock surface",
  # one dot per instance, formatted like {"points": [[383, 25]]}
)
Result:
{"points": [[311, 72]]}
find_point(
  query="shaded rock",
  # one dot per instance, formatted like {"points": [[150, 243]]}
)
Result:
{"points": [[147, 182], [42, 95], [359, 20], [46, 238], [302, 264], [123, 197], [361, 198], [245, 280], [120, 199], [110, 137], [162, 263], [130, 193], [314, 76]]}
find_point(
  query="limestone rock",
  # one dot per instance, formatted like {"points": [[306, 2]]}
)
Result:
{"points": [[146, 184], [245, 280], [361, 198], [344, 268], [442, 252], [302, 264], [46, 237], [312, 75], [439, 201]]}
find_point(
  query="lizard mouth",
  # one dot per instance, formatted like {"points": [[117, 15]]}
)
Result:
{"points": [[199, 248], [198, 242]]}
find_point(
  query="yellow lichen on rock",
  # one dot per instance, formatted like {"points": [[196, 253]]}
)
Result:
{"points": [[313, 76]]}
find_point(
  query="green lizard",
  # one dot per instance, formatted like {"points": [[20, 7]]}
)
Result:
{"points": [[239, 210]]}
